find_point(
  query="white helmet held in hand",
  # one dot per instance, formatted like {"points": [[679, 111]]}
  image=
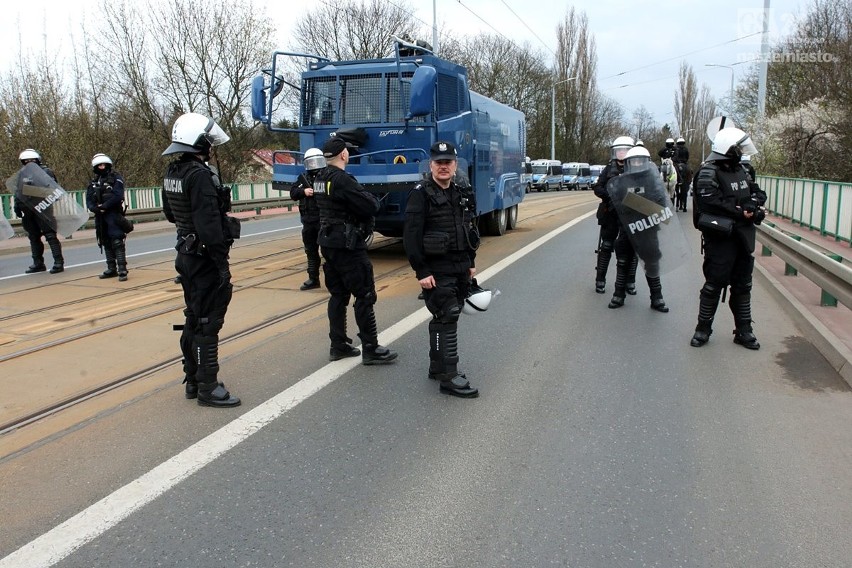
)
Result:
{"points": [[314, 159], [478, 299], [29, 154], [195, 134], [99, 159]]}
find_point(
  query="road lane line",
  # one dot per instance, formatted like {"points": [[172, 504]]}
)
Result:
{"points": [[64, 539]]}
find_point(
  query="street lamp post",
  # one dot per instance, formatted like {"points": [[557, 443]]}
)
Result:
{"points": [[553, 115]]}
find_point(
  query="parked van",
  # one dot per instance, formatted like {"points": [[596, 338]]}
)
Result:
{"points": [[526, 174], [576, 175], [547, 175], [596, 171]]}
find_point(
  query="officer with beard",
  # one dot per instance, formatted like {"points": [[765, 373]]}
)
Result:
{"points": [[440, 241], [723, 189], [608, 218], [303, 192], [194, 200], [105, 198], [36, 227], [346, 219]]}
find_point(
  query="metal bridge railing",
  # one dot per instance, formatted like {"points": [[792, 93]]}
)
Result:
{"points": [[824, 206], [823, 268]]}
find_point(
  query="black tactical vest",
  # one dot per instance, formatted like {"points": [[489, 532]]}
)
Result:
{"points": [[176, 194], [332, 210], [446, 214]]}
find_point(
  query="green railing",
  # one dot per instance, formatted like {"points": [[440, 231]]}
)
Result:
{"points": [[824, 206], [140, 198]]}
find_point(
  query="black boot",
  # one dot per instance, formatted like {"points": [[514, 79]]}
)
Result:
{"points": [[604, 256], [460, 387], [120, 259], [313, 274], [620, 284], [740, 305], [190, 387], [708, 301], [656, 288], [110, 272], [36, 266], [336, 353], [373, 353], [56, 251], [210, 391], [631, 275]]}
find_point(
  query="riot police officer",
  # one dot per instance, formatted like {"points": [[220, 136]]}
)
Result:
{"points": [[668, 151], [637, 161], [37, 227], [608, 218], [194, 200], [303, 192], [723, 191], [346, 219], [105, 198], [681, 152], [440, 241]]}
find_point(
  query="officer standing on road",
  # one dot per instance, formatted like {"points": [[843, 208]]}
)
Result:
{"points": [[723, 190], [195, 202], [636, 162], [440, 241], [303, 192], [36, 227], [608, 218], [105, 198], [346, 219]]}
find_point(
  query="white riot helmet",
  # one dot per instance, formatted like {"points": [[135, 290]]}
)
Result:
{"points": [[669, 142], [637, 159], [640, 143], [681, 141], [29, 154], [478, 299], [314, 160], [731, 143], [196, 134], [99, 159], [620, 146]]}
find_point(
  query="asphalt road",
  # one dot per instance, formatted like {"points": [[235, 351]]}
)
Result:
{"points": [[600, 439]]}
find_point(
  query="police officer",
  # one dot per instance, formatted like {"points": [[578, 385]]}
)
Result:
{"points": [[637, 160], [36, 227], [105, 198], [303, 192], [440, 241], [668, 151], [608, 218], [194, 200], [723, 189], [346, 218], [681, 152]]}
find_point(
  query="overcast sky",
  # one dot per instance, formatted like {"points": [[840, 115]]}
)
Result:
{"points": [[640, 43]]}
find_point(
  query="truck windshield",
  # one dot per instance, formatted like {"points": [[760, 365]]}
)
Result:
{"points": [[539, 169], [573, 171], [355, 99]]}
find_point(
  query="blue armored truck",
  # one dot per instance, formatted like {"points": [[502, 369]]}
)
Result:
{"points": [[393, 110]]}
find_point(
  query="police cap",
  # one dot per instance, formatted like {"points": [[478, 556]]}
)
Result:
{"points": [[443, 151]]}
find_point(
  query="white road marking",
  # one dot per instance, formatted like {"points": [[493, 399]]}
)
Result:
{"points": [[64, 539]]}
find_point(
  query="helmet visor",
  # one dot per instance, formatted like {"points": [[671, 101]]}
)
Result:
{"points": [[747, 146], [216, 135]]}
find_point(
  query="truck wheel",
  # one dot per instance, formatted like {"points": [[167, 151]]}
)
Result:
{"points": [[512, 217], [495, 223]]}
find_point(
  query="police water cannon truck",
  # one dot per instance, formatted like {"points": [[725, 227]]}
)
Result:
{"points": [[391, 111]]}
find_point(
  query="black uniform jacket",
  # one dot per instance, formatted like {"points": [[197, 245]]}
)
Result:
{"points": [[449, 212]]}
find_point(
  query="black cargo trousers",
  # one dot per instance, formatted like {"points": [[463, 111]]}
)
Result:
{"points": [[349, 273]]}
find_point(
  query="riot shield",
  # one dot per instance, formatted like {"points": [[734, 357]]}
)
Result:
{"points": [[646, 215], [6, 230], [39, 193]]}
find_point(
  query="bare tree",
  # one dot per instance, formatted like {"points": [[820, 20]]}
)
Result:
{"points": [[344, 29], [694, 107]]}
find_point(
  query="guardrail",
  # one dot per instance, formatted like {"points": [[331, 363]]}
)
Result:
{"points": [[831, 275], [824, 206]]}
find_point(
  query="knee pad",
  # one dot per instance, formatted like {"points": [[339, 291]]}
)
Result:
{"points": [[607, 246], [741, 288], [711, 290]]}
